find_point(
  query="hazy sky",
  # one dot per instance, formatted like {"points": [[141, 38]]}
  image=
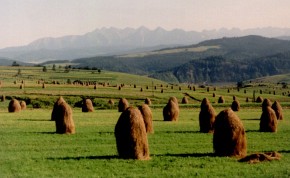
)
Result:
{"points": [[23, 21]]}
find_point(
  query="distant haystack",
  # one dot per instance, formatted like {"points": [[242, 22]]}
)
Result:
{"points": [[235, 105], [268, 120], [23, 105], [43, 85], [184, 100], [3, 98], [131, 136], [278, 110], [147, 116], [171, 110], [229, 137], [221, 99], [21, 86], [123, 105], [206, 116], [62, 114], [266, 103], [87, 106], [147, 101], [259, 99], [111, 102], [14, 106]]}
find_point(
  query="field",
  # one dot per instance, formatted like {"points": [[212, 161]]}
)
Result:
{"points": [[30, 148]]}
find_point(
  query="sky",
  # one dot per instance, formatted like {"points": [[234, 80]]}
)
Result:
{"points": [[23, 21]]}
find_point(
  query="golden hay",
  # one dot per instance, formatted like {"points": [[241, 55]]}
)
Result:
{"points": [[123, 105], [206, 116], [147, 116], [171, 110], [278, 110], [261, 157], [235, 105], [184, 100], [111, 102], [62, 114], [268, 120], [221, 99], [259, 99], [147, 101], [56, 104], [131, 136], [14, 106], [87, 106], [23, 105], [229, 137], [266, 103]]}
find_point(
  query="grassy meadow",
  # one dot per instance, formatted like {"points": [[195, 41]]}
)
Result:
{"points": [[29, 146]]}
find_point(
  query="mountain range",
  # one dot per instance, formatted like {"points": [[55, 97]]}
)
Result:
{"points": [[114, 41]]}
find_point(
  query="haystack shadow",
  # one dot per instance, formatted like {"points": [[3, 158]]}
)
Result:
{"points": [[107, 157]]}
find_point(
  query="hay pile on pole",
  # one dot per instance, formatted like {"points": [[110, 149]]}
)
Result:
{"points": [[235, 105], [229, 137], [23, 105], [268, 120], [62, 115], [184, 100], [147, 101], [206, 116], [278, 110], [87, 105], [131, 136], [123, 104], [221, 99], [111, 103], [171, 110], [147, 117], [14, 106]]}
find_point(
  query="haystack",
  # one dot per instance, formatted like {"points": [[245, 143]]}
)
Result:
{"points": [[147, 117], [23, 105], [87, 106], [268, 120], [278, 110], [235, 105], [131, 136], [184, 100], [171, 110], [123, 105], [14, 106], [259, 99], [62, 114], [147, 101], [3, 98], [21, 86], [229, 137], [266, 103], [206, 116], [221, 99], [43, 85], [111, 102]]}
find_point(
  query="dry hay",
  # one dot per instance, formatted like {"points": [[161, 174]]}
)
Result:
{"points": [[213, 95], [147, 101], [21, 86], [23, 105], [266, 103], [62, 114], [259, 99], [206, 116], [247, 99], [221, 99], [268, 120], [111, 102], [171, 110], [95, 86], [141, 89], [14, 106], [87, 106], [147, 116], [123, 105], [278, 110], [131, 136], [261, 157], [229, 137], [3, 98], [235, 105], [43, 85], [184, 100], [234, 97]]}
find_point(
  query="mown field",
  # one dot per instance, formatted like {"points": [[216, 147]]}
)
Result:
{"points": [[30, 148]]}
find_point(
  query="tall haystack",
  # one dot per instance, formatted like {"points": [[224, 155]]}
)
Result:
{"points": [[229, 137], [235, 105], [147, 116], [278, 110], [123, 105], [3, 98], [171, 110], [111, 102], [184, 100], [259, 99], [268, 120], [147, 101], [266, 103], [131, 136], [206, 116], [221, 99], [23, 105], [14, 106], [62, 114], [87, 105]]}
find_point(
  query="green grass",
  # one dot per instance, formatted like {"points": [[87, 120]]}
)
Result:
{"points": [[29, 147]]}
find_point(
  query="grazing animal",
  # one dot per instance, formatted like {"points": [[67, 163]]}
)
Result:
{"points": [[229, 137]]}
